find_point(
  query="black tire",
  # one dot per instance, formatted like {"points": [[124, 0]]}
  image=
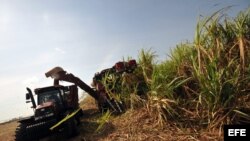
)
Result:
{"points": [[70, 128], [102, 107], [38, 130], [33, 131], [76, 130], [20, 133]]}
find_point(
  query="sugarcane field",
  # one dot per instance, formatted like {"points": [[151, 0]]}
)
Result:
{"points": [[124, 70]]}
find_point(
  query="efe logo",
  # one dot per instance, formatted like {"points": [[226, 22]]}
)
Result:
{"points": [[236, 132]]}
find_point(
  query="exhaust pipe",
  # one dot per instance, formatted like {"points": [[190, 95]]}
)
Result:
{"points": [[31, 97]]}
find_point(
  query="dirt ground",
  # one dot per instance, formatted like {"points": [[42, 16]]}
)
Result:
{"points": [[7, 131]]}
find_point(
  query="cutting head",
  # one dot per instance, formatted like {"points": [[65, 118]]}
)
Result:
{"points": [[55, 72]]}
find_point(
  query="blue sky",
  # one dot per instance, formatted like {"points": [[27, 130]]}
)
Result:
{"points": [[86, 36]]}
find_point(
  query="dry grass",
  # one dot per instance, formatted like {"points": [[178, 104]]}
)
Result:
{"points": [[134, 125], [138, 125]]}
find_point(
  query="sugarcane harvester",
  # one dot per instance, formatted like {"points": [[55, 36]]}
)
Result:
{"points": [[57, 107]]}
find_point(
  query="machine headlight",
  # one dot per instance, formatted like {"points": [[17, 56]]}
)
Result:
{"points": [[44, 116]]}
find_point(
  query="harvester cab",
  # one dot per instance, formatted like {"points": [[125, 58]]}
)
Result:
{"points": [[53, 100], [56, 109]]}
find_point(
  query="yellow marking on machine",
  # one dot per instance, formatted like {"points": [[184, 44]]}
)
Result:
{"points": [[65, 119]]}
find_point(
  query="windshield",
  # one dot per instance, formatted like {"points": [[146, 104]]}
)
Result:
{"points": [[52, 96]]}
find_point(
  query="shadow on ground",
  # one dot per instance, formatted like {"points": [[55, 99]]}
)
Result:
{"points": [[87, 129]]}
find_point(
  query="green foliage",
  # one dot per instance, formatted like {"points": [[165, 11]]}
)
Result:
{"points": [[103, 120], [146, 61], [207, 80]]}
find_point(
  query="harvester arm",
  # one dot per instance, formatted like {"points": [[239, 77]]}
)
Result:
{"points": [[58, 74]]}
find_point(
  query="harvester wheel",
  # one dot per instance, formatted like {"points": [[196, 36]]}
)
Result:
{"points": [[38, 130], [71, 128], [21, 134], [33, 131]]}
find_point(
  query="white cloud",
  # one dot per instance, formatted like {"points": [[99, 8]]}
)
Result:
{"points": [[108, 59], [5, 18], [31, 81], [60, 50], [46, 19], [10, 87], [13, 96]]}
